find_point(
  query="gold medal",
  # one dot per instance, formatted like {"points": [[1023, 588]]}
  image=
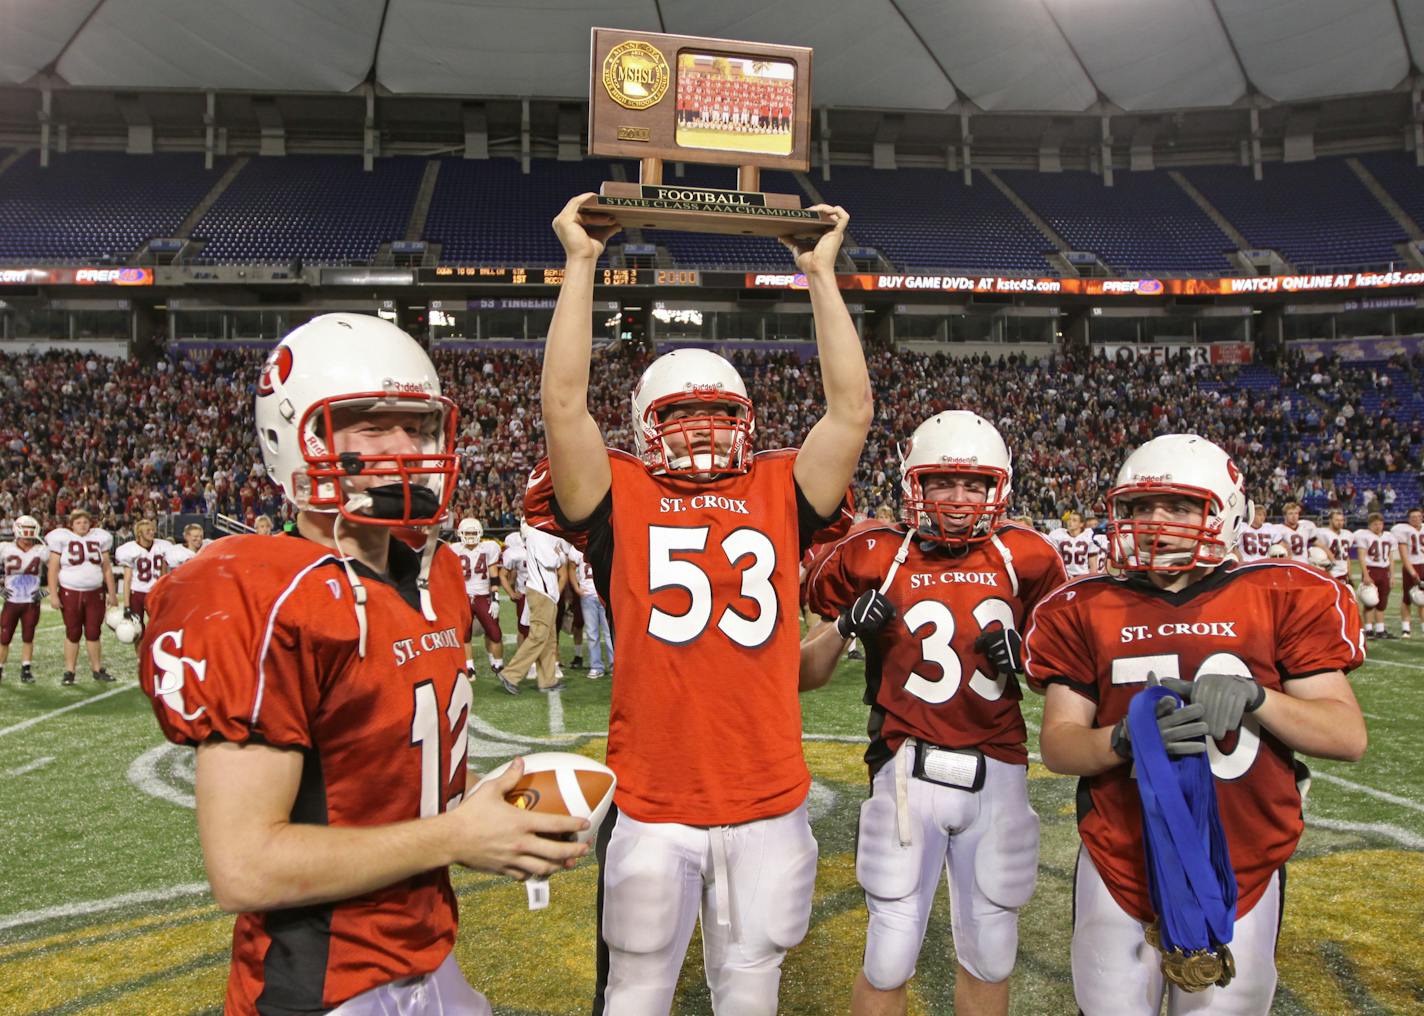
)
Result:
{"points": [[1196, 970]]}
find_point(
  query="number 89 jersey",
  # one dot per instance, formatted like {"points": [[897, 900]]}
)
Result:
{"points": [[255, 640], [924, 678], [1272, 621], [701, 582]]}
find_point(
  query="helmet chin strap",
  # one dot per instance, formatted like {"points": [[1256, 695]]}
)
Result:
{"points": [[365, 502], [358, 589]]}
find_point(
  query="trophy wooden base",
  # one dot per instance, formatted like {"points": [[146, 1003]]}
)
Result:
{"points": [[707, 210]]}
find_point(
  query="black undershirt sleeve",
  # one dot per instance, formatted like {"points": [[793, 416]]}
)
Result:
{"points": [[808, 521]]}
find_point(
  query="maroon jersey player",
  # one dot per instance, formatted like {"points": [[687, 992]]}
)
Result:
{"points": [[948, 758], [1258, 651]]}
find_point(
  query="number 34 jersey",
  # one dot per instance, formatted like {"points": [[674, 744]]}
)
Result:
{"points": [[923, 675], [701, 580], [255, 640], [1272, 621]]}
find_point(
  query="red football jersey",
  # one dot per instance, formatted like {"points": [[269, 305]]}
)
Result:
{"points": [[924, 678], [1272, 621], [701, 583], [255, 639]]}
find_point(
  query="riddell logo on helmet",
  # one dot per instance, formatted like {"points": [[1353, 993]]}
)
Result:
{"points": [[417, 387], [703, 389], [1154, 478], [959, 460]]}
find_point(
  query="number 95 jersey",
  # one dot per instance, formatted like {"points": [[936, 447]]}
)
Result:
{"points": [[1271, 621], [701, 581], [924, 678], [255, 640]]}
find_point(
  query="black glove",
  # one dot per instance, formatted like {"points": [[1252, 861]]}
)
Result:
{"points": [[866, 616], [1182, 729], [1004, 648], [1224, 697]]}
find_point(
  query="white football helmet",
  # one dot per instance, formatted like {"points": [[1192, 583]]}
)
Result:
{"points": [[956, 441], [1278, 550], [27, 527], [128, 630], [1184, 465], [470, 532], [1416, 596], [1320, 557], [1368, 596], [693, 376], [354, 361], [113, 616]]}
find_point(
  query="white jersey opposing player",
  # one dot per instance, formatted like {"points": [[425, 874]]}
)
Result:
{"points": [[1256, 539], [1076, 546], [1296, 533], [144, 560], [480, 563], [81, 584], [180, 554], [1337, 541], [24, 562], [81, 556], [1410, 535]]}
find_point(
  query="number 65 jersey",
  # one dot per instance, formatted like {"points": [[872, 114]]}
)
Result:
{"points": [[924, 678], [1274, 622], [701, 582], [256, 640]]}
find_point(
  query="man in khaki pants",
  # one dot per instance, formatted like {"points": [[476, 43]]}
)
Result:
{"points": [[546, 558]]}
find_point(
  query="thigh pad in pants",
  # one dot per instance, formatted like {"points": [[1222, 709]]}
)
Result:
{"points": [[649, 881], [1006, 861], [883, 867]]}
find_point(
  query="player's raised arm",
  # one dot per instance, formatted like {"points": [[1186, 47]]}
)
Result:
{"points": [[826, 462], [578, 463]]}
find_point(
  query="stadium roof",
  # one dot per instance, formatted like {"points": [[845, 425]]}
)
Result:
{"points": [[994, 55]]}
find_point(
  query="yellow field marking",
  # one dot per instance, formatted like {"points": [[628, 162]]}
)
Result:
{"points": [[843, 763], [1358, 900], [103, 929], [536, 961], [194, 991], [66, 974]]}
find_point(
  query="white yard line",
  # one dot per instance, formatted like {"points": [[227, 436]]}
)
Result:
{"points": [[556, 713], [30, 767], [27, 724], [1396, 663], [1360, 788], [27, 917], [1402, 836]]}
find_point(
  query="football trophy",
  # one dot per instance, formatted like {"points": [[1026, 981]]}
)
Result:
{"points": [[659, 98]]}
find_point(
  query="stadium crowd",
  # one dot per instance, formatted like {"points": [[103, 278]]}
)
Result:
{"points": [[128, 440]]}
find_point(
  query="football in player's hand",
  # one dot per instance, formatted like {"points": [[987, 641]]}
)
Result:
{"points": [[562, 783]]}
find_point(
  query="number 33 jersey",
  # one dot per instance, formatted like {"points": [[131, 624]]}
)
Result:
{"points": [[1270, 621], [701, 580], [255, 640], [924, 678]]}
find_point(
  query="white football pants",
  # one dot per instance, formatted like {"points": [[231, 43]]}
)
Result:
{"points": [[1116, 973], [751, 884]]}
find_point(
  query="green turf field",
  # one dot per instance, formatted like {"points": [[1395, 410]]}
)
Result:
{"points": [[103, 908]]}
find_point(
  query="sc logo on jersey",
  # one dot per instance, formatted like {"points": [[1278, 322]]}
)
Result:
{"points": [[172, 675]]}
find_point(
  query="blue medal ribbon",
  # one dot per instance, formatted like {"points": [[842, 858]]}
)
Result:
{"points": [[1189, 875]]}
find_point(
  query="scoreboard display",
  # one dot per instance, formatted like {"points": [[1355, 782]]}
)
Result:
{"points": [[473, 275]]}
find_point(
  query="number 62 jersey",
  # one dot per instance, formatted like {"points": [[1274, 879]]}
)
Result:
{"points": [[1274, 622], [923, 675]]}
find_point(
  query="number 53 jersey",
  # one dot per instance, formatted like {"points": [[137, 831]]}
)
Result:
{"points": [[701, 581], [1271, 621], [255, 640], [924, 678]]}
